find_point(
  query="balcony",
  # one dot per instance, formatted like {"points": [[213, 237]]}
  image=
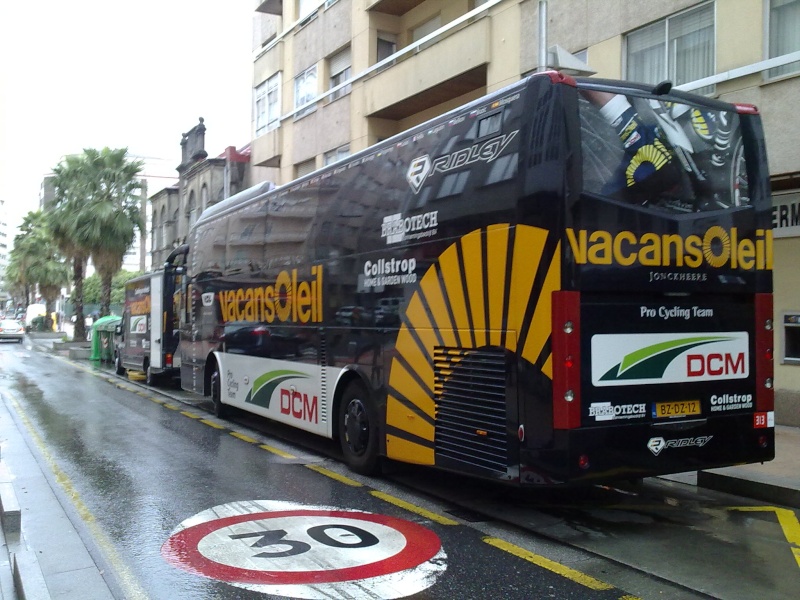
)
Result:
{"points": [[267, 148], [393, 7], [270, 7], [446, 69]]}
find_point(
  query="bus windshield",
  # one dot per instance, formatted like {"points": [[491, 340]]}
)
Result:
{"points": [[665, 156]]}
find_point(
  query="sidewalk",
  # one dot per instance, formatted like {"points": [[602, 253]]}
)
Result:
{"points": [[66, 570]]}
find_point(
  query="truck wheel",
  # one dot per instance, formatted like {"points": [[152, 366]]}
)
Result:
{"points": [[150, 377], [358, 429], [118, 368], [220, 410]]}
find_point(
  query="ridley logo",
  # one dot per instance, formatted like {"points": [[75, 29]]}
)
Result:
{"points": [[656, 445], [418, 172]]}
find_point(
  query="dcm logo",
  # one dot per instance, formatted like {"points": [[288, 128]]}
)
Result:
{"points": [[653, 358]]}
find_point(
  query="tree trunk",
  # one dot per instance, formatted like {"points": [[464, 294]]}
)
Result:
{"points": [[77, 295], [105, 294]]}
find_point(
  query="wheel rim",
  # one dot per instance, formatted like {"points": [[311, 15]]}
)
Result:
{"points": [[356, 426]]}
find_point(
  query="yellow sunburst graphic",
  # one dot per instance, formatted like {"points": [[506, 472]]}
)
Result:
{"points": [[480, 292]]}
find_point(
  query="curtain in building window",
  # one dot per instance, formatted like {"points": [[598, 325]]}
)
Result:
{"points": [[784, 33], [691, 45], [273, 102], [680, 48], [646, 60], [305, 89], [261, 108]]}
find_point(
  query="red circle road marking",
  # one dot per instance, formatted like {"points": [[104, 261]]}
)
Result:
{"points": [[181, 550]]}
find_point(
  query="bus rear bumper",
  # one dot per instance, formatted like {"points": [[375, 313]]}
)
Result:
{"points": [[607, 453]]}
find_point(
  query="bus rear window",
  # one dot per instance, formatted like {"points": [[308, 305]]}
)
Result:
{"points": [[662, 155]]}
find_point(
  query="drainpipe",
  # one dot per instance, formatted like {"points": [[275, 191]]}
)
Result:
{"points": [[542, 36]]}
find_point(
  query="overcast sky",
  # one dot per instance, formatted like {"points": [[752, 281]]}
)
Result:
{"points": [[92, 73]]}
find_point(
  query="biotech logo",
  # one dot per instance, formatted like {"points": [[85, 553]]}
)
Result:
{"points": [[652, 358], [487, 151], [656, 445]]}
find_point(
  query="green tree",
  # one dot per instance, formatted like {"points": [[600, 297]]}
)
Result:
{"points": [[93, 287], [36, 261], [96, 215]]}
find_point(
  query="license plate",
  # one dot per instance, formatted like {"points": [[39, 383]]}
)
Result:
{"points": [[678, 408]]}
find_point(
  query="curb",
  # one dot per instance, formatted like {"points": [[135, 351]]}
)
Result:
{"points": [[757, 490], [28, 578]]}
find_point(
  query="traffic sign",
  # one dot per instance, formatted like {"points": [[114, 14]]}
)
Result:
{"points": [[303, 551]]}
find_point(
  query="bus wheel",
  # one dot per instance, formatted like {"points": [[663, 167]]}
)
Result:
{"points": [[118, 368], [220, 410], [358, 430]]}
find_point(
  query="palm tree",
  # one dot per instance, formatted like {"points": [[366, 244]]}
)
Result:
{"points": [[112, 216], [96, 214], [35, 260], [71, 191]]}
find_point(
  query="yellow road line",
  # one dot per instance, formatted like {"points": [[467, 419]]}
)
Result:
{"points": [[274, 450], [414, 508], [243, 437], [550, 565], [335, 475], [787, 519], [211, 424], [126, 577], [191, 415]]}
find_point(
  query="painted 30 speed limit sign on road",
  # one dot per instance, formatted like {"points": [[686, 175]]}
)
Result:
{"points": [[303, 551]]}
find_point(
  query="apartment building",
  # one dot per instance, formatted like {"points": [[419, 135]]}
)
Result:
{"points": [[333, 77]]}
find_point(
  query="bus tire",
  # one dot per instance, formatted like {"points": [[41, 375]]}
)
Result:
{"points": [[220, 410], [358, 429], [118, 368]]}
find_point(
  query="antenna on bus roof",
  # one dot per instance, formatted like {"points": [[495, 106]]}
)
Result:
{"points": [[662, 88]]}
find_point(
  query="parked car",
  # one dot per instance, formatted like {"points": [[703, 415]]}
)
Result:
{"points": [[11, 330]]}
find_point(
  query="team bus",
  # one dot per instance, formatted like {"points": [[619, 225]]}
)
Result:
{"points": [[565, 281]]}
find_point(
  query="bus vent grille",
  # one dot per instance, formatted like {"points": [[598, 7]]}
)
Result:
{"points": [[323, 381], [470, 402]]}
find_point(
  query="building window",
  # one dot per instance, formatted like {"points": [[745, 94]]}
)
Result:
{"points": [[203, 198], [428, 27], [304, 168], [387, 45], [333, 156], [784, 34], [791, 338], [305, 90], [191, 212], [339, 68], [679, 48], [268, 109], [304, 7], [162, 232]]}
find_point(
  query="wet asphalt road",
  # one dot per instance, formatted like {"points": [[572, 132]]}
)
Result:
{"points": [[187, 506]]}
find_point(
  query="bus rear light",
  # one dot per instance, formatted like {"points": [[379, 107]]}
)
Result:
{"points": [[746, 109], [521, 433], [583, 461], [565, 345], [763, 441], [169, 360], [765, 368]]}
